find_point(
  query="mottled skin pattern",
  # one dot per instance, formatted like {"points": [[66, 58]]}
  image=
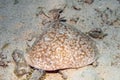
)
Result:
{"points": [[61, 46]]}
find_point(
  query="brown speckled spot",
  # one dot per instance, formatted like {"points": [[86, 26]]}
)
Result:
{"points": [[61, 46]]}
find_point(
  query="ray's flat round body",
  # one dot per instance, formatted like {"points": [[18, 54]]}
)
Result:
{"points": [[61, 46]]}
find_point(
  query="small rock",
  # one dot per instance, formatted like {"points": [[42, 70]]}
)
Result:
{"points": [[37, 74], [21, 66], [96, 33], [88, 1]]}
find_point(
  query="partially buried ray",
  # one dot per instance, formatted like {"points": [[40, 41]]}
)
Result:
{"points": [[61, 46]]}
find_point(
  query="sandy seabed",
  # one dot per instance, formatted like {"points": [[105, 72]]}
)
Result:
{"points": [[20, 22]]}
